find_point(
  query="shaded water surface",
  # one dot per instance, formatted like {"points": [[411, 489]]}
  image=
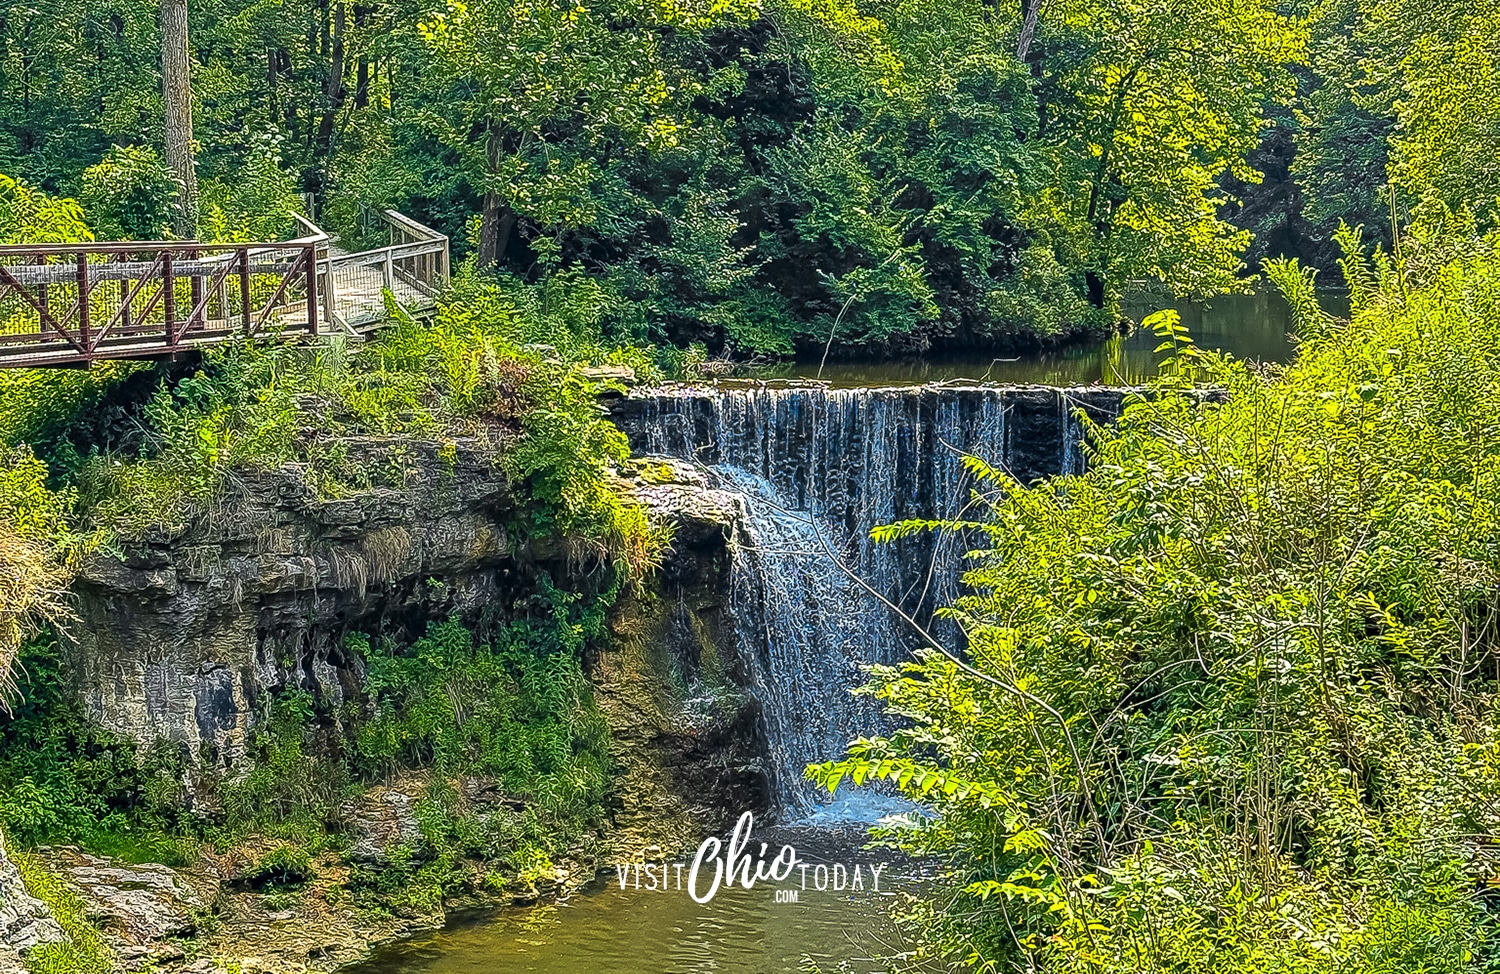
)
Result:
{"points": [[1249, 326]]}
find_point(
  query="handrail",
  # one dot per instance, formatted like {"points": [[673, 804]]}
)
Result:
{"points": [[396, 251], [136, 246], [399, 218], [318, 233], [75, 303]]}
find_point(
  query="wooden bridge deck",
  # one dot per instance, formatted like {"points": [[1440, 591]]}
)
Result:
{"points": [[72, 304]]}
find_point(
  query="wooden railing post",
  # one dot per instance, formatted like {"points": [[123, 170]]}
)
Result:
{"points": [[83, 303], [43, 297], [169, 297], [310, 257], [195, 293], [330, 295], [125, 295], [244, 253]]}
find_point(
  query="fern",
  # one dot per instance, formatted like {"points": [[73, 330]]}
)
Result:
{"points": [[907, 528]]}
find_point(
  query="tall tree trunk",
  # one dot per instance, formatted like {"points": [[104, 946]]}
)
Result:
{"points": [[362, 72], [496, 221], [177, 103], [334, 94], [1030, 14]]}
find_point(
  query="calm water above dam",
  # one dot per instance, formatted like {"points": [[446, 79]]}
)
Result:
{"points": [[1249, 326]]}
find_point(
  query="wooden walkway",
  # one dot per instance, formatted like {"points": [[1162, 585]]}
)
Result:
{"points": [[73, 304]]}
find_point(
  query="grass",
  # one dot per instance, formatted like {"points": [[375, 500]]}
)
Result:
{"points": [[85, 951]]}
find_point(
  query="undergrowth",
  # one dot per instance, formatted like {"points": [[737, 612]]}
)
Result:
{"points": [[1230, 697]]}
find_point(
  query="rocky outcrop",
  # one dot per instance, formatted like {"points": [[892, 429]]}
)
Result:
{"points": [[684, 723], [185, 635], [382, 821], [198, 919], [140, 909], [181, 636], [25, 921]]}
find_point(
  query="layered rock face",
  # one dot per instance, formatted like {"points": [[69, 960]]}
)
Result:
{"points": [[182, 637], [679, 696], [25, 921], [186, 635]]}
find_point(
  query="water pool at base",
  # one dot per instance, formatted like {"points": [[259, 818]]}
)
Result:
{"points": [[609, 930]]}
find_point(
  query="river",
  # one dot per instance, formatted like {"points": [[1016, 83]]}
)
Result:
{"points": [[1249, 326], [611, 928]]}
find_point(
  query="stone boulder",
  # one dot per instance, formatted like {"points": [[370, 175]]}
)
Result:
{"points": [[25, 921], [134, 906]]}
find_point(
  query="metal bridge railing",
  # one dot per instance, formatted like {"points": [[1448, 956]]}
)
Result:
{"points": [[72, 304]]}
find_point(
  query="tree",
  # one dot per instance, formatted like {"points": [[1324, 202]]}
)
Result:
{"points": [[129, 194], [1148, 104], [177, 112], [545, 99]]}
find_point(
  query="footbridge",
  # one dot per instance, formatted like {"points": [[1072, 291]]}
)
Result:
{"points": [[73, 304]]}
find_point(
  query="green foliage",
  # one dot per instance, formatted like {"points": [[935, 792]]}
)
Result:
{"points": [[283, 866], [1229, 702], [30, 216], [503, 362], [129, 194], [513, 712], [765, 177], [290, 790], [254, 203], [1399, 120], [515, 709], [36, 542], [65, 779]]}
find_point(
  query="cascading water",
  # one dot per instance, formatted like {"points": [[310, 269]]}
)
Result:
{"points": [[818, 468]]}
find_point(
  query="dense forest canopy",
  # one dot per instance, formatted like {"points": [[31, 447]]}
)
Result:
{"points": [[762, 174]]}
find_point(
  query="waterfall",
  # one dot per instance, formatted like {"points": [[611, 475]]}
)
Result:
{"points": [[818, 468]]}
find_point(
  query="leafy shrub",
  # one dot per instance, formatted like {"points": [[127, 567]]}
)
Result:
{"points": [[289, 790], [284, 866], [129, 194], [34, 538], [255, 204], [1229, 697], [502, 362], [516, 708], [65, 779], [28, 215]]}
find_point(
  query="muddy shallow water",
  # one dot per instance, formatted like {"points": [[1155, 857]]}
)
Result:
{"points": [[771, 928]]}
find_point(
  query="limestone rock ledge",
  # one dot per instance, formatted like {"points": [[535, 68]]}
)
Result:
{"points": [[686, 729], [183, 633]]}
